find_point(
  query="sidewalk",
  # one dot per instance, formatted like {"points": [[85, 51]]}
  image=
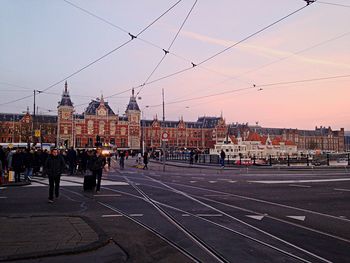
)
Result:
{"points": [[37, 236]]}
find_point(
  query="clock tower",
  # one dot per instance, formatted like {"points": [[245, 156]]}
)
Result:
{"points": [[133, 113], [65, 123]]}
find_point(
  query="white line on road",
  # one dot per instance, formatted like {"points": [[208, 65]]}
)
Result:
{"points": [[300, 218], [256, 217], [212, 182], [3, 197], [300, 181], [208, 215], [231, 182], [192, 182], [118, 215], [111, 195], [135, 215], [300, 185], [2, 188], [185, 215], [216, 195], [341, 189]]}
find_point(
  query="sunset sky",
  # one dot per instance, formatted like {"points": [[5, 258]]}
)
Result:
{"points": [[43, 42]]}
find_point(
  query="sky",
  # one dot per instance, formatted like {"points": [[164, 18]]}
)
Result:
{"points": [[44, 42]]}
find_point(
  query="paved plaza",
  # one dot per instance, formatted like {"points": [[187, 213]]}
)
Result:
{"points": [[185, 214]]}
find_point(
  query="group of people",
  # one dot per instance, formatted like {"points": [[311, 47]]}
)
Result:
{"points": [[55, 162], [27, 161]]}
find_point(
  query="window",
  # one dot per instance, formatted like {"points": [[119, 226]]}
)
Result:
{"points": [[112, 128], [101, 129], [90, 127]]}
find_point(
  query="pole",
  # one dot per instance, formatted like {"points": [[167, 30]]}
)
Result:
{"points": [[34, 91], [163, 125]]}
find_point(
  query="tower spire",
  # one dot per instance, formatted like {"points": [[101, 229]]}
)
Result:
{"points": [[65, 87]]}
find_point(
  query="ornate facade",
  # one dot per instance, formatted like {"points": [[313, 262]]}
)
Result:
{"points": [[202, 134], [98, 124]]}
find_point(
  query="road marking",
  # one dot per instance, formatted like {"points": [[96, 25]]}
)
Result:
{"points": [[192, 182], [135, 215], [300, 218], [300, 185], [118, 215], [208, 215], [216, 195], [255, 217], [341, 189], [212, 182], [342, 216], [3, 197], [2, 188], [231, 182], [185, 215], [300, 181], [111, 195]]}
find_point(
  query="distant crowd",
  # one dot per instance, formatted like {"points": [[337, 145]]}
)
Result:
{"points": [[31, 162]]}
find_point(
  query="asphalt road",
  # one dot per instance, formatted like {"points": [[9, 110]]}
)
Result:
{"points": [[206, 215]]}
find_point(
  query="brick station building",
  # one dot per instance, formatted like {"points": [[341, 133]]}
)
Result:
{"points": [[128, 131], [98, 122]]}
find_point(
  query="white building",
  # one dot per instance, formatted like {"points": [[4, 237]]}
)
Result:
{"points": [[256, 146]]}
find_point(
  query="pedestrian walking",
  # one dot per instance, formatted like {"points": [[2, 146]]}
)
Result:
{"points": [[17, 165], [145, 160], [54, 167], [28, 164], [222, 158], [72, 160], [121, 159], [98, 161], [191, 157]]}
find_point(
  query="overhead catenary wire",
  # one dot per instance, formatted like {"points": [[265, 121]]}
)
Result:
{"points": [[145, 41], [166, 51], [101, 57], [193, 65], [286, 57], [258, 87], [335, 4]]}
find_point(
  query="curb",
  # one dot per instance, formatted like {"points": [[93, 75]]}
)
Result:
{"points": [[102, 241], [251, 167]]}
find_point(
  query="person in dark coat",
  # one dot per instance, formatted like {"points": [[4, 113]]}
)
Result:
{"points": [[121, 159], [54, 167], [17, 164], [72, 160], [97, 163], [2, 157], [145, 160], [28, 161], [222, 158]]}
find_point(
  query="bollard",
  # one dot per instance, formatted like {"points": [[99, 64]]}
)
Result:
{"points": [[288, 161]]}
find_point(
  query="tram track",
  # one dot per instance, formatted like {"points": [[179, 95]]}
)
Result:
{"points": [[159, 207]]}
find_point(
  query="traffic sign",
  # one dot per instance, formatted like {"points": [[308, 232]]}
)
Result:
{"points": [[165, 136], [37, 133]]}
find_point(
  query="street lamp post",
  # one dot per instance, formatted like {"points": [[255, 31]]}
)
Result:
{"points": [[143, 129], [163, 125]]}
